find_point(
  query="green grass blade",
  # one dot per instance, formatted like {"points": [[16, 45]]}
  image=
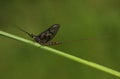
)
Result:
{"points": [[63, 54]]}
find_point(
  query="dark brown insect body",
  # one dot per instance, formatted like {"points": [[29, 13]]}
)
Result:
{"points": [[47, 35]]}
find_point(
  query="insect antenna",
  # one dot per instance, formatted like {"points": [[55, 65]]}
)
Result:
{"points": [[31, 35]]}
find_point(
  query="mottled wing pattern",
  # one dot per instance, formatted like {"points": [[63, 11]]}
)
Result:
{"points": [[47, 35]]}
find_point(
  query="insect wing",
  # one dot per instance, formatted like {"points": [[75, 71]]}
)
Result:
{"points": [[48, 34]]}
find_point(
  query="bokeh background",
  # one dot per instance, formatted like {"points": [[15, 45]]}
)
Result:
{"points": [[90, 29]]}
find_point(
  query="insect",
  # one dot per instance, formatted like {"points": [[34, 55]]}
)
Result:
{"points": [[47, 35]]}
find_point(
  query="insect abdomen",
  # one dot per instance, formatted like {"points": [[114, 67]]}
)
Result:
{"points": [[52, 43]]}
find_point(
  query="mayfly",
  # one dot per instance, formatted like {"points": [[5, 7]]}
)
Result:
{"points": [[44, 37]]}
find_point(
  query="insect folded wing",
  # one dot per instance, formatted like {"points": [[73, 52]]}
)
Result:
{"points": [[48, 34]]}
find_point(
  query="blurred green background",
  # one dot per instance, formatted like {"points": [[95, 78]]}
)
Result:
{"points": [[90, 29]]}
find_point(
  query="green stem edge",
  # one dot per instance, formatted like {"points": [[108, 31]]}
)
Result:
{"points": [[64, 54]]}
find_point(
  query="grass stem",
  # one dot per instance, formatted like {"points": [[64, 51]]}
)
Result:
{"points": [[64, 54]]}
